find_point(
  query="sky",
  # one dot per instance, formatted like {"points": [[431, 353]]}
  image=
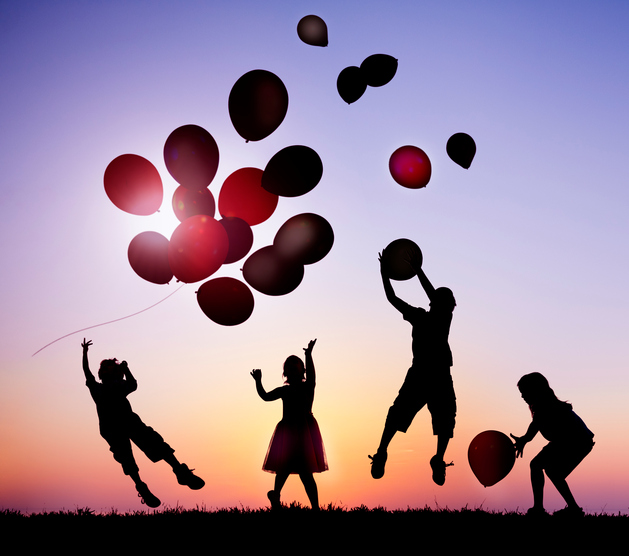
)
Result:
{"points": [[532, 239]]}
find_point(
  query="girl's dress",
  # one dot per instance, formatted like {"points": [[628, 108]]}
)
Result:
{"points": [[296, 445]]}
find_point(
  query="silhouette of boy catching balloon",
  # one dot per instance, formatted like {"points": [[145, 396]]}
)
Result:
{"points": [[119, 425], [428, 381]]}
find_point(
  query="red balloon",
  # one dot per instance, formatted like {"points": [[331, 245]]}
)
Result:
{"points": [[226, 301], [188, 202], [240, 238], [378, 69], [461, 148], [197, 249], [133, 184], [243, 196], [491, 455], [351, 84], [293, 171], [191, 156], [410, 167], [148, 257], [270, 274], [313, 30], [258, 103], [396, 257], [304, 239]]}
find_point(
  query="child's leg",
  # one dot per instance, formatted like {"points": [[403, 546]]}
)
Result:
{"points": [[537, 480], [280, 480], [311, 489]]}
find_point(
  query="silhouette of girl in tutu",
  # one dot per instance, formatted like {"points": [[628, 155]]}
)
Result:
{"points": [[296, 446]]}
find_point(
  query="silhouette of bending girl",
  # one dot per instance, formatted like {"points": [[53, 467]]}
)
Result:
{"points": [[296, 446], [428, 381], [119, 425], [569, 442]]}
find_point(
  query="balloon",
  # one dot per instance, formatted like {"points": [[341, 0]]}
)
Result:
{"points": [[242, 195], [187, 203], [240, 238], [191, 156], [148, 257], [351, 84], [378, 69], [258, 103], [461, 148], [197, 249], [313, 30], [226, 301], [410, 167], [293, 171], [396, 257], [133, 184], [304, 239], [268, 273], [491, 455]]}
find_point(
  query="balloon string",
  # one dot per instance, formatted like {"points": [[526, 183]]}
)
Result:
{"points": [[109, 322]]}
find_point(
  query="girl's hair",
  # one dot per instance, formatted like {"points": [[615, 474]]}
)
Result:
{"points": [[536, 387], [293, 366], [110, 369]]}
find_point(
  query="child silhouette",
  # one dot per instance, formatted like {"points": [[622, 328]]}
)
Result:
{"points": [[119, 425], [296, 446], [428, 381], [569, 442]]}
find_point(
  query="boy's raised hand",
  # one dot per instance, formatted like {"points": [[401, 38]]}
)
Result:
{"points": [[311, 344], [86, 344], [256, 374]]}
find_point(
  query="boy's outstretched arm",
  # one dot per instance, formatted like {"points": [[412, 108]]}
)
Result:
{"points": [[388, 288], [266, 396], [416, 265], [86, 365], [310, 369], [132, 383]]}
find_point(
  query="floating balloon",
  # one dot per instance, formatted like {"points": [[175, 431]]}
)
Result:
{"points": [[240, 238], [242, 195], [304, 239], [396, 259], [491, 455], [148, 257], [226, 301], [313, 30], [270, 274], [293, 171], [197, 249], [257, 104], [378, 69], [351, 84], [461, 148], [191, 156], [188, 202], [410, 167], [133, 184]]}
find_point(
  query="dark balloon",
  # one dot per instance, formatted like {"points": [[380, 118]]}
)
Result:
{"points": [[258, 103], [191, 156], [133, 184], [270, 274], [292, 172], [397, 256], [243, 196], [491, 455], [461, 148], [148, 257], [313, 30], [240, 238], [351, 84], [225, 301], [304, 239], [197, 249], [188, 202], [410, 167], [378, 69]]}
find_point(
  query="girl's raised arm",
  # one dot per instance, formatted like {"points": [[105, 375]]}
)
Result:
{"points": [[310, 370], [266, 396]]}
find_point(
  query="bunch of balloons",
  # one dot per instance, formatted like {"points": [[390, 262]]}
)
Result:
{"points": [[375, 71]]}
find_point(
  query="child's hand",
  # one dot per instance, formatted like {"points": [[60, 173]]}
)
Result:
{"points": [[86, 344], [519, 445], [381, 263], [311, 344], [256, 374]]}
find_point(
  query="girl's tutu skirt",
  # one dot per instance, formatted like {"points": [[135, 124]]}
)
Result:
{"points": [[296, 447]]}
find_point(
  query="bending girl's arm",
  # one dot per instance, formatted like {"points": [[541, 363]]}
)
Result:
{"points": [[521, 441], [86, 365], [266, 396], [388, 289], [310, 370]]}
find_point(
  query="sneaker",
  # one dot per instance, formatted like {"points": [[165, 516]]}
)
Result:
{"points": [[378, 461], [147, 496], [439, 470], [570, 512], [536, 512], [274, 498], [185, 476]]}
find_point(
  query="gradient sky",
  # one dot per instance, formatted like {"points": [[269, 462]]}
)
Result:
{"points": [[532, 239]]}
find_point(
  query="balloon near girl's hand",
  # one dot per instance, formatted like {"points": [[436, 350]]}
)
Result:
{"points": [[410, 167], [491, 455], [396, 259]]}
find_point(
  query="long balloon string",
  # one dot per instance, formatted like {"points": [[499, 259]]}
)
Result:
{"points": [[109, 322]]}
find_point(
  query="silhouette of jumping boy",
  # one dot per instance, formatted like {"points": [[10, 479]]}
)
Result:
{"points": [[296, 446], [119, 425], [569, 442], [428, 381]]}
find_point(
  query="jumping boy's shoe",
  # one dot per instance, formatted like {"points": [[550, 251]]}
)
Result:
{"points": [[185, 476], [569, 512], [274, 498], [536, 512], [378, 461], [439, 470], [147, 496]]}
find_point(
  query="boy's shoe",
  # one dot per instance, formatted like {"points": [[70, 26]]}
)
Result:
{"points": [[536, 512], [378, 461], [147, 496], [569, 512], [439, 470], [274, 498], [185, 476]]}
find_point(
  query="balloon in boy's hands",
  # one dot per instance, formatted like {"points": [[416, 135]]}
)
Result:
{"points": [[491, 455], [400, 259]]}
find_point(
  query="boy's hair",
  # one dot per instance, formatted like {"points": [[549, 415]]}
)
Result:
{"points": [[110, 369]]}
